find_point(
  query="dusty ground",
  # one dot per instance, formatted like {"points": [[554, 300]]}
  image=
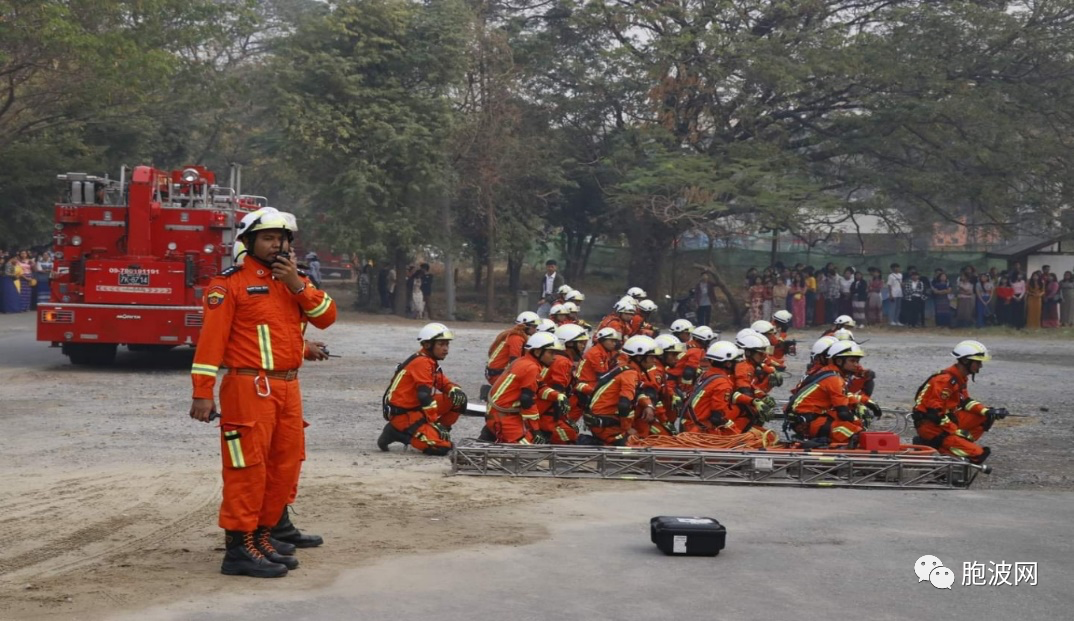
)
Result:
{"points": [[110, 491]]}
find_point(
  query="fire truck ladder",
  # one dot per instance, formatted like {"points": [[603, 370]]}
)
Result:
{"points": [[756, 467]]}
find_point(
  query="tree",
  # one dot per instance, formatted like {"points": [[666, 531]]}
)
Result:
{"points": [[362, 101]]}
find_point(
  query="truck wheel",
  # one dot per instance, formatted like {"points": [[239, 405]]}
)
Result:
{"points": [[90, 354]]}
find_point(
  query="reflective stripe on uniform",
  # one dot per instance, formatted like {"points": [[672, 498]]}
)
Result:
{"points": [[503, 387], [264, 341], [805, 394], [321, 308], [203, 369], [234, 447], [496, 352], [846, 431]]}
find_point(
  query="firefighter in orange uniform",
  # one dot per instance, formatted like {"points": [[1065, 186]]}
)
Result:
{"points": [[672, 395], [822, 409], [711, 407], [785, 347], [611, 412], [646, 308], [559, 416], [653, 385], [750, 372], [573, 304], [508, 345], [597, 360], [512, 415], [620, 319], [638, 295], [945, 416], [690, 364], [421, 404], [252, 326]]}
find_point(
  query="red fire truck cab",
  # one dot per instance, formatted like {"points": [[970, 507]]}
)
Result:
{"points": [[132, 259]]}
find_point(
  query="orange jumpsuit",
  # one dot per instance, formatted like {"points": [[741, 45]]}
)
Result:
{"points": [[507, 346], [637, 322], [595, 362], [778, 359], [557, 377], [253, 326], [711, 407], [653, 386], [821, 402], [512, 415], [417, 398], [863, 381], [947, 418], [688, 367], [749, 384], [610, 415], [615, 322]]}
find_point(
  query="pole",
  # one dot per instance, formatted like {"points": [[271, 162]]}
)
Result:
{"points": [[449, 262]]}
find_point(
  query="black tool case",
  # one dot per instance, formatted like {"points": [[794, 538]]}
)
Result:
{"points": [[690, 536]]}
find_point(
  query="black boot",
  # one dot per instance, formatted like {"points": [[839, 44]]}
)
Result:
{"points": [[286, 532], [389, 435], [243, 558], [265, 544], [486, 435]]}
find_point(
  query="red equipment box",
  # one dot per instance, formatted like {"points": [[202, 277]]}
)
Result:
{"points": [[879, 441]]}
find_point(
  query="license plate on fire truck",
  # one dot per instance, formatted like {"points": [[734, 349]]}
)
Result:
{"points": [[136, 279]]}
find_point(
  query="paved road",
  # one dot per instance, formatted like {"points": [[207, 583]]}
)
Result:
{"points": [[791, 553]]}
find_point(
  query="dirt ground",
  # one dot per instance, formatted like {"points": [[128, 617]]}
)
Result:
{"points": [[110, 491]]}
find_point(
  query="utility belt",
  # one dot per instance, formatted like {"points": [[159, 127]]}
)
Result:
{"points": [[603, 422], [807, 420], [492, 374], [499, 410], [287, 376], [391, 411]]}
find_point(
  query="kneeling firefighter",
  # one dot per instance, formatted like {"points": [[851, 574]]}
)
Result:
{"points": [[421, 403], [512, 416], [611, 412], [821, 409], [945, 416]]}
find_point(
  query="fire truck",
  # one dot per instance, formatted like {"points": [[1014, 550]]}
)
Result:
{"points": [[133, 258]]}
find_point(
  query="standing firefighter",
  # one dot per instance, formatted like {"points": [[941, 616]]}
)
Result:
{"points": [[945, 416], [421, 404], [254, 318]]}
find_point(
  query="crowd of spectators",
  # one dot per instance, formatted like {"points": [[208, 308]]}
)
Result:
{"points": [[816, 296], [25, 276]]}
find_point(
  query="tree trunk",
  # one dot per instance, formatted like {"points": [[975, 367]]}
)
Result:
{"points": [[400, 282], [514, 274], [738, 309], [585, 257], [490, 281], [649, 240], [478, 266]]}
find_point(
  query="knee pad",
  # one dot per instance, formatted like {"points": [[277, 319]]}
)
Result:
{"points": [[438, 451]]}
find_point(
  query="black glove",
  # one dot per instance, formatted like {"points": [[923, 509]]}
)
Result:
{"points": [[844, 414], [625, 406], [563, 406], [998, 413], [870, 374], [540, 437], [875, 409], [458, 398]]}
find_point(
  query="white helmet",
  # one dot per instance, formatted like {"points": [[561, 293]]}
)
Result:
{"points": [[703, 333], [637, 293], [574, 295], [842, 334], [570, 308], [752, 341], [435, 332], [782, 316], [546, 325], [820, 348], [845, 349], [743, 332], [971, 350], [670, 343], [564, 290], [626, 305], [571, 332], [681, 325], [647, 306], [723, 351], [528, 318], [292, 222], [608, 333], [641, 345], [264, 219], [762, 327], [544, 340], [845, 321], [557, 309]]}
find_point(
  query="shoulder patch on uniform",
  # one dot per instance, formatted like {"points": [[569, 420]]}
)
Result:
{"points": [[215, 296], [231, 270]]}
